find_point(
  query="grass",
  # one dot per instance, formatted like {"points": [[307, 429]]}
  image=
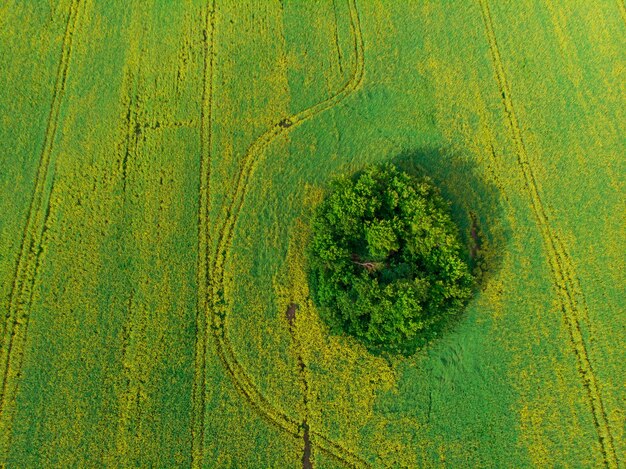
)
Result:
{"points": [[155, 207]]}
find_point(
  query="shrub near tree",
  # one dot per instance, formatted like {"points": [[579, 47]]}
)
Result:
{"points": [[386, 260]]}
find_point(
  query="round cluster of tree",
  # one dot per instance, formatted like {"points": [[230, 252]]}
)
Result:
{"points": [[386, 260]]}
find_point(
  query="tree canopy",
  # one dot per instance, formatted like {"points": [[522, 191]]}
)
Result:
{"points": [[386, 260]]}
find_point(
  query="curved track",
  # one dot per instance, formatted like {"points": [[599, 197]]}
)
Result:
{"points": [[214, 304]]}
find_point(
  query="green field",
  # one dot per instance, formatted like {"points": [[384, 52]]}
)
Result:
{"points": [[159, 165]]}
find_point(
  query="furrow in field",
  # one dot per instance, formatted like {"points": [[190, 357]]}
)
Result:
{"points": [[563, 272], [199, 382], [13, 336], [215, 303]]}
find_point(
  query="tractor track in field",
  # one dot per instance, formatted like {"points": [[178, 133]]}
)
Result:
{"points": [[200, 346], [132, 374], [14, 333], [135, 128], [569, 291], [212, 302]]}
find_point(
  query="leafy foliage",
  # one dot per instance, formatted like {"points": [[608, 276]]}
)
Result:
{"points": [[386, 260]]}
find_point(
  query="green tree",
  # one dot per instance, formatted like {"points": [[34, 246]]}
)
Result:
{"points": [[386, 260]]}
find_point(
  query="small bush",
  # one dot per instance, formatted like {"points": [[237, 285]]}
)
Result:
{"points": [[386, 261]]}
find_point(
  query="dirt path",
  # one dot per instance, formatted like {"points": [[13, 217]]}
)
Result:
{"points": [[306, 455]]}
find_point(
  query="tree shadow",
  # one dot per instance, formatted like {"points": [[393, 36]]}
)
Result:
{"points": [[476, 208], [475, 204]]}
